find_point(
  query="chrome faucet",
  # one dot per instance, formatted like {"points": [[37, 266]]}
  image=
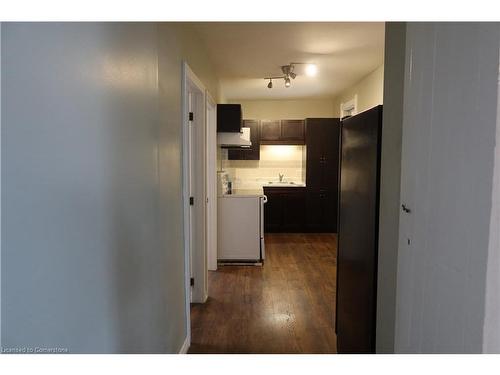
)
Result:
{"points": [[281, 176]]}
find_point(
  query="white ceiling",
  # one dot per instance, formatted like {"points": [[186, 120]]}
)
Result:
{"points": [[245, 52]]}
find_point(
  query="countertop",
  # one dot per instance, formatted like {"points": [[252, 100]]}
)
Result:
{"points": [[258, 191], [245, 193], [284, 185]]}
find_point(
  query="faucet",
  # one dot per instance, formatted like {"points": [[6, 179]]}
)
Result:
{"points": [[281, 177]]}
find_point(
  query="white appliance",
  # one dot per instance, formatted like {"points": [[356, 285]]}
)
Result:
{"points": [[223, 183], [236, 139], [241, 228]]}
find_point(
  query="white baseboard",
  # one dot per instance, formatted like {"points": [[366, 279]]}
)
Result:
{"points": [[185, 346]]}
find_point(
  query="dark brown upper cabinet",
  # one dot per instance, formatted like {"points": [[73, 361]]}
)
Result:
{"points": [[252, 153], [270, 130], [229, 118], [293, 130], [282, 132]]}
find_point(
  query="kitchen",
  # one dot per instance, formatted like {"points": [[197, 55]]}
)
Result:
{"points": [[273, 283], [291, 166]]}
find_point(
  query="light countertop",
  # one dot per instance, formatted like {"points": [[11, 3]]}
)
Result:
{"points": [[256, 192], [285, 184]]}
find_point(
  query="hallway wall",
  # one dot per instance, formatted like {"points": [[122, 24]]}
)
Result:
{"points": [[176, 42], [390, 181], [92, 258], [491, 328], [448, 154]]}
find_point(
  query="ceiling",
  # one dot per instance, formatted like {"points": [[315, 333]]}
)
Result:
{"points": [[245, 52]]}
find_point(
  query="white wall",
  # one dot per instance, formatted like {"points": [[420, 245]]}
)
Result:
{"points": [[448, 151], [177, 42], [285, 109], [491, 330], [92, 246], [1, 210], [369, 91], [395, 43]]}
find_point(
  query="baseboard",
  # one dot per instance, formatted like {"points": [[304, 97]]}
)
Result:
{"points": [[185, 346]]}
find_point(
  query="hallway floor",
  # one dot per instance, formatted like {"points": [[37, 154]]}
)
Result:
{"points": [[287, 306]]}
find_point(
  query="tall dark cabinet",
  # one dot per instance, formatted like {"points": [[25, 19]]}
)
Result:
{"points": [[358, 232], [322, 169]]}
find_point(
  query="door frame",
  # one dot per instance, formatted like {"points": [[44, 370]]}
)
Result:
{"points": [[190, 79], [211, 189]]}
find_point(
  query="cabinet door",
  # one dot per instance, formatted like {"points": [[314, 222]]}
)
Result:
{"points": [[229, 117], [293, 212], [292, 130], [237, 154], [314, 153], [321, 211], [314, 211], [253, 153], [330, 154], [330, 211], [270, 130], [273, 212]]}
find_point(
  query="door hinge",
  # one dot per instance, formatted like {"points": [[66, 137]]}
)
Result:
{"points": [[191, 201], [191, 281], [191, 116]]}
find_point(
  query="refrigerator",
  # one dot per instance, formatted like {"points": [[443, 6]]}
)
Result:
{"points": [[359, 189]]}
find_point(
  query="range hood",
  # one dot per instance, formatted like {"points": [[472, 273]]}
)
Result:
{"points": [[234, 140]]}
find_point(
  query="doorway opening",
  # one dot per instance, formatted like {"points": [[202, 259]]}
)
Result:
{"points": [[284, 299]]}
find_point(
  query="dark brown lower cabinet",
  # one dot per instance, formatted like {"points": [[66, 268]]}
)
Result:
{"points": [[321, 209], [285, 209]]}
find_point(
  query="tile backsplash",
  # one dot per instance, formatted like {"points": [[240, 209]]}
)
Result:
{"points": [[274, 160]]}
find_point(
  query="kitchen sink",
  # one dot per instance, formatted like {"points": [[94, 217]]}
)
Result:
{"points": [[284, 183]]}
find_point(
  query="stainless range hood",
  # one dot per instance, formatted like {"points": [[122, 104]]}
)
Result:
{"points": [[234, 140]]}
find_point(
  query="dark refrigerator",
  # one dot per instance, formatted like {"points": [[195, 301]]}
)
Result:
{"points": [[358, 231]]}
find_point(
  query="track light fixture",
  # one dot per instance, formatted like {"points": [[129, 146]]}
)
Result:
{"points": [[288, 72]]}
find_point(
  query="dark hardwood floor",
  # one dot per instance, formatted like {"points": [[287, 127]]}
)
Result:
{"points": [[286, 306]]}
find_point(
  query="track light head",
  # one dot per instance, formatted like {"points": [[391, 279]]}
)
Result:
{"points": [[288, 72], [286, 69]]}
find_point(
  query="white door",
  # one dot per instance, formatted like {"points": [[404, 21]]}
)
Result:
{"points": [[196, 184], [451, 72], [211, 184], [191, 179]]}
